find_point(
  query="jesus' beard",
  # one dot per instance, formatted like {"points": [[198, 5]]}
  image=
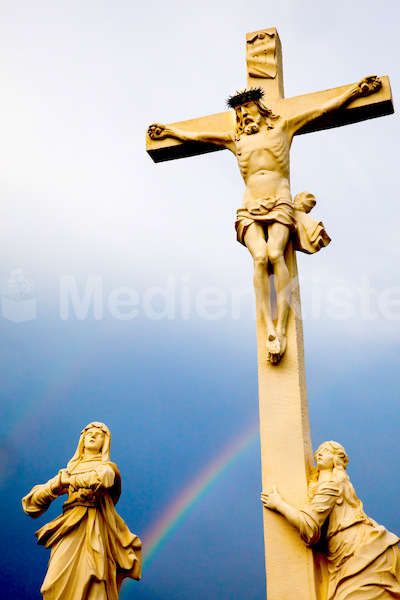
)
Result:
{"points": [[251, 128]]}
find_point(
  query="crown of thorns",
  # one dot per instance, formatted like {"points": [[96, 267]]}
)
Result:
{"points": [[244, 97]]}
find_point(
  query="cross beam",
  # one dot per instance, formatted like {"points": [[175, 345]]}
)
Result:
{"points": [[293, 572], [369, 107]]}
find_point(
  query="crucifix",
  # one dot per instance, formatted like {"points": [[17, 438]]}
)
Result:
{"points": [[259, 131]]}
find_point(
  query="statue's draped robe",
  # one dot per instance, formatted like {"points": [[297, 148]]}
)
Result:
{"points": [[363, 557], [92, 549]]}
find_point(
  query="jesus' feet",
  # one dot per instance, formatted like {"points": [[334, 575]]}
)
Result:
{"points": [[282, 342], [276, 346], [273, 346]]}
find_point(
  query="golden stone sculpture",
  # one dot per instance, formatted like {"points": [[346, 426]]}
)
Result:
{"points": [[362, 557], [258, 138], [261, 143], [92, 549]]}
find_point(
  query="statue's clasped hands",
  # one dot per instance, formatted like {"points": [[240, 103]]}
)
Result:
{"points": [[64, 477], [60, 483], [272, 500]]}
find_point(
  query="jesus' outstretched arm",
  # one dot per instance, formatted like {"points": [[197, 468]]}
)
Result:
{"points": [[365, 87], [157, 131]]}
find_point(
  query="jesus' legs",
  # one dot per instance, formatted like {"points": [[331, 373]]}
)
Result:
{"points": [[278, 237], [255, 241]]}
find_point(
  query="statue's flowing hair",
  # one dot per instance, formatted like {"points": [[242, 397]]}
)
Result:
{"points": [[340, 460]]}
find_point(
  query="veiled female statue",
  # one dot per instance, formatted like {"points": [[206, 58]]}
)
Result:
{"points": [[92, 549], [363, 558]]}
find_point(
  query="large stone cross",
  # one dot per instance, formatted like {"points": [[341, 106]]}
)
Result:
{"points": [[293, 573]]}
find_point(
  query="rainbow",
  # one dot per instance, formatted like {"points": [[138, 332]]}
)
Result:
{"points": [[194, 492]]}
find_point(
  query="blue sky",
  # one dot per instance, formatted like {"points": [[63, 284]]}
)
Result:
{"points": [[176, 381]]}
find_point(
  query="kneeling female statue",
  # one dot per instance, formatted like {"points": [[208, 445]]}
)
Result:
{"points": [[92, 549], [363, 558]]}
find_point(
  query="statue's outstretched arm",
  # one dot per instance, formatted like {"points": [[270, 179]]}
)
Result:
{"points": [[365, 87], [310, 519], [158, 131], [274, 501]]}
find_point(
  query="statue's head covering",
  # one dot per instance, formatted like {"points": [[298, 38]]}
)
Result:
{"points": [[104, 456], [105, 451], [251, 95]]}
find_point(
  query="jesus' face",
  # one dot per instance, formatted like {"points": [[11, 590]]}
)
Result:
{"points": [[251, 118]]}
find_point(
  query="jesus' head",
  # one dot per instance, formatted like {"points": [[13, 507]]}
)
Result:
{"points": [[250, 112]]}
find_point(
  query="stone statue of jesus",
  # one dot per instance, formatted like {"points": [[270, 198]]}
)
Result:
{"points": [[261, 143]]}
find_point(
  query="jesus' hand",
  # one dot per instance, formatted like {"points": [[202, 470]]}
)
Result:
{"points": [[157, 131], [369, 85]]}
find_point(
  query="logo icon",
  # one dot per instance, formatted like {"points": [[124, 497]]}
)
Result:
{"points": [[17, 304]]}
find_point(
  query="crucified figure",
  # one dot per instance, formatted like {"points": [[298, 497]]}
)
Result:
{"points": [[261, 143]]}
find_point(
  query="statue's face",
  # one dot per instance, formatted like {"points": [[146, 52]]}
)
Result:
{"points": [[324, 457], [250, 117], [94, 440], [250, 110]]}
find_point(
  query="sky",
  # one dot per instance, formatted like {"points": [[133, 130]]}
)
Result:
{"points": [[89, 222]]}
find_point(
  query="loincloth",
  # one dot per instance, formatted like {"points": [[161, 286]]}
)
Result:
{"points": [[307, 235], [264, 211]]}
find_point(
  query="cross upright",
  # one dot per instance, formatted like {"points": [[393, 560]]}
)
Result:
{"points": [[273, 227]]}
